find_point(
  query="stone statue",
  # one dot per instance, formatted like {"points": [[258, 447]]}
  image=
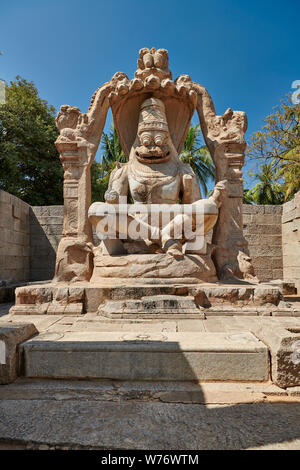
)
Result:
{"points": [[155, 175], [152, 115]]}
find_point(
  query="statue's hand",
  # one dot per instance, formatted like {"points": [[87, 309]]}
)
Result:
{"points": [[111, 196], [219, 191], [188, 188]]}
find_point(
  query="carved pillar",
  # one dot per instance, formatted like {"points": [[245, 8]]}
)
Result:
{"points": [[77, 144], [231, 254], [74, 255], [76, 182], [224, 137]]}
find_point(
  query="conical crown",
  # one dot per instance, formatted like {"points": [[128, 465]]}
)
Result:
{"points": [[152, 116]]}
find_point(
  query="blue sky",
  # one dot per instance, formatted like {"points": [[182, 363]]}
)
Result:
{"points": [[244, 52]]}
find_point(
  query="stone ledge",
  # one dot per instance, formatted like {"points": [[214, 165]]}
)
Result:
{"points": [[165, 391]]}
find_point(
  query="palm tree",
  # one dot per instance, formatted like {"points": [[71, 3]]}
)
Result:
{"points": [[267, 190], [291, 177], [198, 157], [112, 150], [100, 172], [247, 198]]}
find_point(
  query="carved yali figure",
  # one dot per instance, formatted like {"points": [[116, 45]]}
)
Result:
{"points": [[152, 114]]}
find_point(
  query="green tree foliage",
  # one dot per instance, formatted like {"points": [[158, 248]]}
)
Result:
{"points": [[100, 172], [112, 150], [29, 162], [275, 150], [99, 181], [198, 157], [247, 198], [267, 190]]}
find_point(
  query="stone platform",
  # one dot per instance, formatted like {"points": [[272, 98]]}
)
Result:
{"points": [[116, 298]]}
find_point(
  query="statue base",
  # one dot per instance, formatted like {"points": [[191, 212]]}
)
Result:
{"points": [[130, 298], [158, 268]]}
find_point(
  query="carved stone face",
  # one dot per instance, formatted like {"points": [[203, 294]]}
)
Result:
{"points": [[153, 143], [154, 147]]}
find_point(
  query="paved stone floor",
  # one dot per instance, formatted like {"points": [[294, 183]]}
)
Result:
{"points": [[106, 414], [91, 322]]}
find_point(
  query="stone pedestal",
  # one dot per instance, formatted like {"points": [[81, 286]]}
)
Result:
{"points": [[161, 268]]}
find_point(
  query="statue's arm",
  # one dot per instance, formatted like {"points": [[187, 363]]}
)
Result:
{"points": [[189, 185], [118, 184]]}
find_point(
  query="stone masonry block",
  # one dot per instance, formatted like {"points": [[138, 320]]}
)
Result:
{"points": [[288, 206], [288, 216], [11, 336], [266, 219], [277, 263], [55, 229], [50, 220], [265, 250], [263, 262], [259, 239], [264, 274], [57, 211], [273, 209], [253, 209], [264, 229], [284, 346], [277, 273]]}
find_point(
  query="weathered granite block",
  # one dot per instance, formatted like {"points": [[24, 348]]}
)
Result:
{"points": [[284, 347], [11, 336]]}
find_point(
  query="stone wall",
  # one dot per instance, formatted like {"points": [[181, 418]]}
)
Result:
{"points": [[14, 238], [46, 224], [262, 229], [291, 240]]}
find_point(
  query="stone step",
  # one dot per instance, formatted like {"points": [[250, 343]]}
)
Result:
{"points": [[164, 306], [147, 356]]}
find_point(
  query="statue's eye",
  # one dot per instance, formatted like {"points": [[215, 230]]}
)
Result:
{"points": [[159, 139], [146, 140]]}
